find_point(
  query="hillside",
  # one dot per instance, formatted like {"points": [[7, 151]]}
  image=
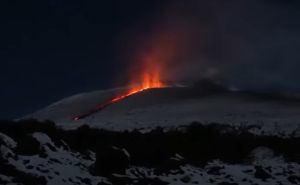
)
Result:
{"points": [[176, 106]]}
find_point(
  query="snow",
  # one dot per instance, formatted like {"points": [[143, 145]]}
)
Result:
{"points": [[239, 174], [65, 167], [169, 108], [8, 141], [42, 138], [60, 167]]}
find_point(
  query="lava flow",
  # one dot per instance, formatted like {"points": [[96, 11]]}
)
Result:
{"points": [[145, 73], [148, 82]]}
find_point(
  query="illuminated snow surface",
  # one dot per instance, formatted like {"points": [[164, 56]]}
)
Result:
{"points": [[173, 107]]}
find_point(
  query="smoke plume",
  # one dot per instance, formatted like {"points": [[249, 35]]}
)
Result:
{"points": [[251, 44]]}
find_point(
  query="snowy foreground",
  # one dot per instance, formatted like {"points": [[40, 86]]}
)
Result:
{"points": [[31, 158]]}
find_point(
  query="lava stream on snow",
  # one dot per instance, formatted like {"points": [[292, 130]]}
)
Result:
{"points": [[107, 103], [147, 84]]}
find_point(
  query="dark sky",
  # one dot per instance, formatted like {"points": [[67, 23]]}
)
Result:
{"points": [[51, 49]]}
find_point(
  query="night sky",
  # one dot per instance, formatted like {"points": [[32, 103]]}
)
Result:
{"points": [[51, 49]]}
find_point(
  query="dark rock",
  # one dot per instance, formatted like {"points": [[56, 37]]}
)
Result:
{"points": [[294, 179], [123, 180], [27, 145], [228, 176], [43, 170], [55, 160], [43, 154], [260, 173], [2, 181], [228, 183], [168, 165], [102, 183], [109, 161], [212, 180], [52, 148], [269, 169], [215, 170], [26, 162], [86, 181], [186, 179], [30, 167]]}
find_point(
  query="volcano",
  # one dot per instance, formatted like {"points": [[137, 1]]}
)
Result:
{"points": [[170, 107]]}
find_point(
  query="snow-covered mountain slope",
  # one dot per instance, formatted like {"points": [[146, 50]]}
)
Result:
{"points": [[172, 107]]}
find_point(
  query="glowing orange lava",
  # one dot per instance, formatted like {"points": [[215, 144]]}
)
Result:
{"points": [[149, 72], [149, 80]]}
